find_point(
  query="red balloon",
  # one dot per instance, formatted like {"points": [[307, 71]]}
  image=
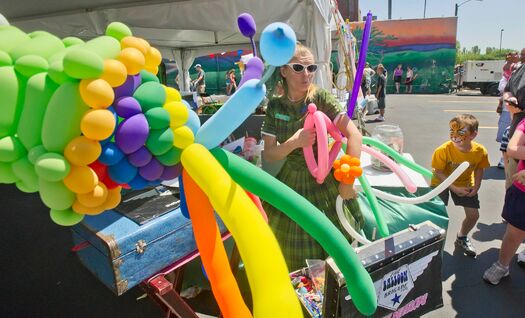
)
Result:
{"points": [[100, 169]]}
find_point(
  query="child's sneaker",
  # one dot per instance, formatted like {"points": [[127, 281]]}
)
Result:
{"points": [[466, 245], [380, 118], [521, 258], [495, 273]]}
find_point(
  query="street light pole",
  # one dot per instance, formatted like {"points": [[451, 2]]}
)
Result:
{"points": [[459, 5], [500, 38], [425, 10], [389, 9]]}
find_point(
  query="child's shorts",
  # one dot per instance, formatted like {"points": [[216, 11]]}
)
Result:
{"points": [[467, 202], [513, 209]]}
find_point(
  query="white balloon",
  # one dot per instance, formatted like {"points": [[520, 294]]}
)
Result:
{"points": [[344, 222]]}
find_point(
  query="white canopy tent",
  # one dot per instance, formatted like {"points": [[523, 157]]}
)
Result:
{"points": [[181, 29]]}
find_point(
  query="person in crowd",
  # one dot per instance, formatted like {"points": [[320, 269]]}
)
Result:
{"points": [[398, 74], [231, 82], [409, 80], [381, 92], [464, 191], [200, 81], [366, 86], [284, 138]]}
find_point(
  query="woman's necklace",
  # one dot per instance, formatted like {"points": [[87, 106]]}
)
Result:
{"points": [[295, 100]]}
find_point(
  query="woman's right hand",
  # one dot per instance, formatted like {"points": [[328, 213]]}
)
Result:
{"points": [[512, 100], [304, 138]]}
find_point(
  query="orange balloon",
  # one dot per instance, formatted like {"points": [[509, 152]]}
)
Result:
{"points": [[81, 179], [95, 198], [115, 73], [213, 255], [337, 164], [356, 171], [133, 59], [98, 124], [82, 209], [82, 151], [348, 179], [338, 175], [345, 168], [345, 158], [153, 57], [137, 43], [113, 198], [96, 93], [354, 161]]}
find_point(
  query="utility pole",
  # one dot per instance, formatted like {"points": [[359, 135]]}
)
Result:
{"points": [[425, 10], [500, 38], [456, 11], [390, 9]]}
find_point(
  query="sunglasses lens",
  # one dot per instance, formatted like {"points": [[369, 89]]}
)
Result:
{"points": [[312, 68], [298, 67]]}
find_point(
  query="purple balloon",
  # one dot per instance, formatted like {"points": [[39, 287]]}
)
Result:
{"points": [[140, 158], [253, 69], [127, 106], [152, 171], [129, 86], [171, 172], [132, 133], [246, 24]]}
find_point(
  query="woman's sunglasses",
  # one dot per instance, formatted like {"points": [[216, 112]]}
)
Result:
{"points": [[299, 68]]}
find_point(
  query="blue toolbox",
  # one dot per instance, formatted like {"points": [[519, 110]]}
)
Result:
{"points": [[144, 234]]}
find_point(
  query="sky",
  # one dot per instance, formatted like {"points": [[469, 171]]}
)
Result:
{"points": [[479, 23]]}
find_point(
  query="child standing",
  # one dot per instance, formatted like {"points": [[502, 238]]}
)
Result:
{"points": [[464, 191]]}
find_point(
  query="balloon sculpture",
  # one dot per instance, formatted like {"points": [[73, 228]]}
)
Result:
{"points": [[81, 120]]}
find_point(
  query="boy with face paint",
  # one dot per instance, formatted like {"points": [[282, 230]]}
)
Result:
{"points": [[464, 191]]}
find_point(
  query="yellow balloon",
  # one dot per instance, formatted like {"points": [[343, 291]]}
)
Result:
{"points": [[98, 124], [113, 198], [152, 69], [82, 151], [183, 137], [179, 113], [115, 73], [272, 293], [137, 43], [95, 198], [81, 179], [96, 93], [172, 95], [153, 57], [133, 59], [82, 209]]}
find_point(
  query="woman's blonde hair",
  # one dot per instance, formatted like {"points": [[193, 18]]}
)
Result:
{"points": [[300, 50]]}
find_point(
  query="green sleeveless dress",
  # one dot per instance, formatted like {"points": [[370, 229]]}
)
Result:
{"points": [[283, 119]]}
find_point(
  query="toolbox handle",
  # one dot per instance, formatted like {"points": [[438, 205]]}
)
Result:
{"points": [[80, 246]]}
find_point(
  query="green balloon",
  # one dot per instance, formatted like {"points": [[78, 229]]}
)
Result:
{"points": [[170, 158], [374, 205], [148, 77], [118, 30], [56, 195], [11, 149], [160, 141], [30, 65], [312, 220], [104, 46], [10, 88], [5, 59], [36, 33], [39, 90], [65, 217], [56, 73], [24, 187], [158, 118], [71, 40], [11, 38], [41, 45], [150, 95], [397, 156], [52, 167], [6, 173], [62, 119], [35, 153], [25, 171], [81, 63]]}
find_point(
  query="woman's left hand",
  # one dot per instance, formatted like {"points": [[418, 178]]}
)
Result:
{"points": [[520, 177], [347, 191]]}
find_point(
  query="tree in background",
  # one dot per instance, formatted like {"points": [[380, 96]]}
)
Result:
{"points": [[474, 54]]}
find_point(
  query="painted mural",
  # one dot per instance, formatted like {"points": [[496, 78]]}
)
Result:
{"points": [[426, 45]]}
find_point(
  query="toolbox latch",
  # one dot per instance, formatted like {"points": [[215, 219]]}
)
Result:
{"points": [[140, 246]]}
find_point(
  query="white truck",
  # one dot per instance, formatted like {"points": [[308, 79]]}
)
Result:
{"points": [[484, 75]]}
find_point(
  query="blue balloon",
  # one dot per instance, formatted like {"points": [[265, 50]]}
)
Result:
{"points": [[138, 183], [183, 204], [277, 43], [111, 154], [231, 115], [193, 123], [122, 172]]}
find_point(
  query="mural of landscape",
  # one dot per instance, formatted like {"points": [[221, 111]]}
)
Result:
{"points": [[427, 45]]}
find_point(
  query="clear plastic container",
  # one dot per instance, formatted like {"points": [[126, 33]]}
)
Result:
{"points": [[392, 135]]}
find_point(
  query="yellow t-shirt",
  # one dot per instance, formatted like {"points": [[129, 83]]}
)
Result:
{"points": [[447, 158]]}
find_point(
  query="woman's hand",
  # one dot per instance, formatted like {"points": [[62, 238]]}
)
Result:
{"points": [[303, 138], [519, 177], [347, 191]]}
